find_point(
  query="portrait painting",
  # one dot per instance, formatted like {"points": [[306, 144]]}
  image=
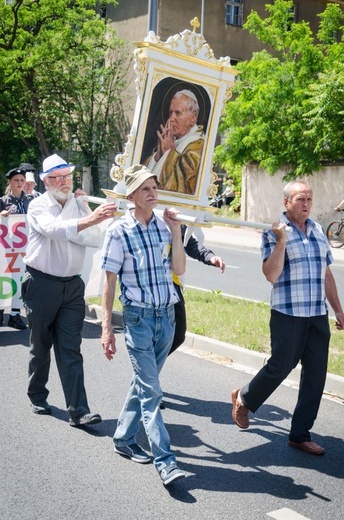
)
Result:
{"points": [[181, 92], [175, 134]]}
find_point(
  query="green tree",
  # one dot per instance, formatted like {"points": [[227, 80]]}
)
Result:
{"points": [[325, 116], [275, 118], [62, 72]]}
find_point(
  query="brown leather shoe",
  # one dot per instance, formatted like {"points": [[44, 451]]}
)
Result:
{"points": [[309, 447], [239, 411]]}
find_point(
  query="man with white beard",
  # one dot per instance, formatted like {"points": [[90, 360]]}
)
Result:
{"points": [[61, 226]]}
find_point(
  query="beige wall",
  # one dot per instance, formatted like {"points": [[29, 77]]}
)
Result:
{"points": [[262, 194]]}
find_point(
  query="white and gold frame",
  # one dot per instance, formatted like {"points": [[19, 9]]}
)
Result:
{"points": [[184, 61]]}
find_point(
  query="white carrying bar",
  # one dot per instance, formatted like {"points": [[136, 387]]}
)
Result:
{"points": [[189, 220]]}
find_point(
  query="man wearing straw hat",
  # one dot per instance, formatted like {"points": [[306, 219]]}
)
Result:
{"points": [[142, 251], [61, 225]]}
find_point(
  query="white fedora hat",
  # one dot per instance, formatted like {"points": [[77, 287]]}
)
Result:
{"points": [[54, 162]]}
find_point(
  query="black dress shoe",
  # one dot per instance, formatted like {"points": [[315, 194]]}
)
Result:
{"points": [[16, 322], [85, 420]]}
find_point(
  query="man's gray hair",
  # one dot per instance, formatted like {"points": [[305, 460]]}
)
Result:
{"points": [[192, 102], [288, 188]]}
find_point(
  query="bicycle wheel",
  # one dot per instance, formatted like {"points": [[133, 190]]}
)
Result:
{"points": [[335, 234]]}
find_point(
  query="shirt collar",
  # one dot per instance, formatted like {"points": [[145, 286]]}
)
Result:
{"points": [[132, 220], [285, 220]]}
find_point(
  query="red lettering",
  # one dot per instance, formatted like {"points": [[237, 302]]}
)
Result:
{"points": [[10, 267], [3, 234], [16, 232]]}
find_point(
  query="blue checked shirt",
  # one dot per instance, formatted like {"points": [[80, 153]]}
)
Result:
{"points": [[142, 259], [300, 290]]}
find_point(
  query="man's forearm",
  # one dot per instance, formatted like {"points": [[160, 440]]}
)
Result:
{"points": [[108, 298], [273, 266], [331, 292], [178, 260]]}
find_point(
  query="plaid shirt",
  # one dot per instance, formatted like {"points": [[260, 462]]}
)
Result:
{"points": [[142, 259], [300, 289]]}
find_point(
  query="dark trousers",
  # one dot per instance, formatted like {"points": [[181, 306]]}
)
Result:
{"points": [[55, 309], [180, 319], [292, 340]]}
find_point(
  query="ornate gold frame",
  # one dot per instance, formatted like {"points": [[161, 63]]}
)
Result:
{"points": [[184, 58]]}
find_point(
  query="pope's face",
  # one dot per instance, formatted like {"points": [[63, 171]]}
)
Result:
{"points": [[180, 117]]}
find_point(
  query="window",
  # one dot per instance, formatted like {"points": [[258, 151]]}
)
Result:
{"points": [[234, 12], [103, 12], [292, 17]]}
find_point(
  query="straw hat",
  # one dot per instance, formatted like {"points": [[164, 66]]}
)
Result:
{"points": [[135, 176]]}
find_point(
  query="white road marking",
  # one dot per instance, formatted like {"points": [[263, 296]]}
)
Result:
{"points": [[286, 514]]}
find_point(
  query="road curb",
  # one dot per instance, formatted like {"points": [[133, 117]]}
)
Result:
{"points": [[249, 358]]}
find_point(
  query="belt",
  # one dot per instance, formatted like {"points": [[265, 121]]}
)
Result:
{"points": [[147, 312], [35, 272]]}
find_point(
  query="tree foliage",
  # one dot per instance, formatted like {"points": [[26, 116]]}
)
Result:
{"points": [[62, 73], [288, 103]]}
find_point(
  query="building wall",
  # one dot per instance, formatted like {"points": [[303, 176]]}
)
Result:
{"points": [[262, 194], [130, 20]]}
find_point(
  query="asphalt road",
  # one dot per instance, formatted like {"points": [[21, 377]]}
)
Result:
{"points": [[243, 276], [50, 471]]}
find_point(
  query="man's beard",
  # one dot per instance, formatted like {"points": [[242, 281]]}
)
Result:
{"points": [[61, 196]]}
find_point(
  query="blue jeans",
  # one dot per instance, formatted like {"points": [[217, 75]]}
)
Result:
{"points": [[148, 336]]}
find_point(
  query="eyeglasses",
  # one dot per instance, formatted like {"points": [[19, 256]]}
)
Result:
{"points": [[62, 177]]}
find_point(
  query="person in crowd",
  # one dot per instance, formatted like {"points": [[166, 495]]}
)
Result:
{"points": [[297, 264], [207, 257], [30, 183], [204, 255], [61, 226], [177, 157], [228, 194], [142, 249], [14, 202]]}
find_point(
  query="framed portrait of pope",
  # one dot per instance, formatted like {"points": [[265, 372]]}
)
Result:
{"points": [[181, 93]]}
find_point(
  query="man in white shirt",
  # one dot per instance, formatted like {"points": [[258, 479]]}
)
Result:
{"points": [[61, 225]]}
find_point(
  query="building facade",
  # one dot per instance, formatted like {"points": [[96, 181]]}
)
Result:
{"points": [[222, 25]]}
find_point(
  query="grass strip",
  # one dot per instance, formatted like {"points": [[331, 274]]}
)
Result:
{"points": [[240, 322]]}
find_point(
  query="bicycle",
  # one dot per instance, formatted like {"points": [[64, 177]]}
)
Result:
{"points": [[335, 232]]}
